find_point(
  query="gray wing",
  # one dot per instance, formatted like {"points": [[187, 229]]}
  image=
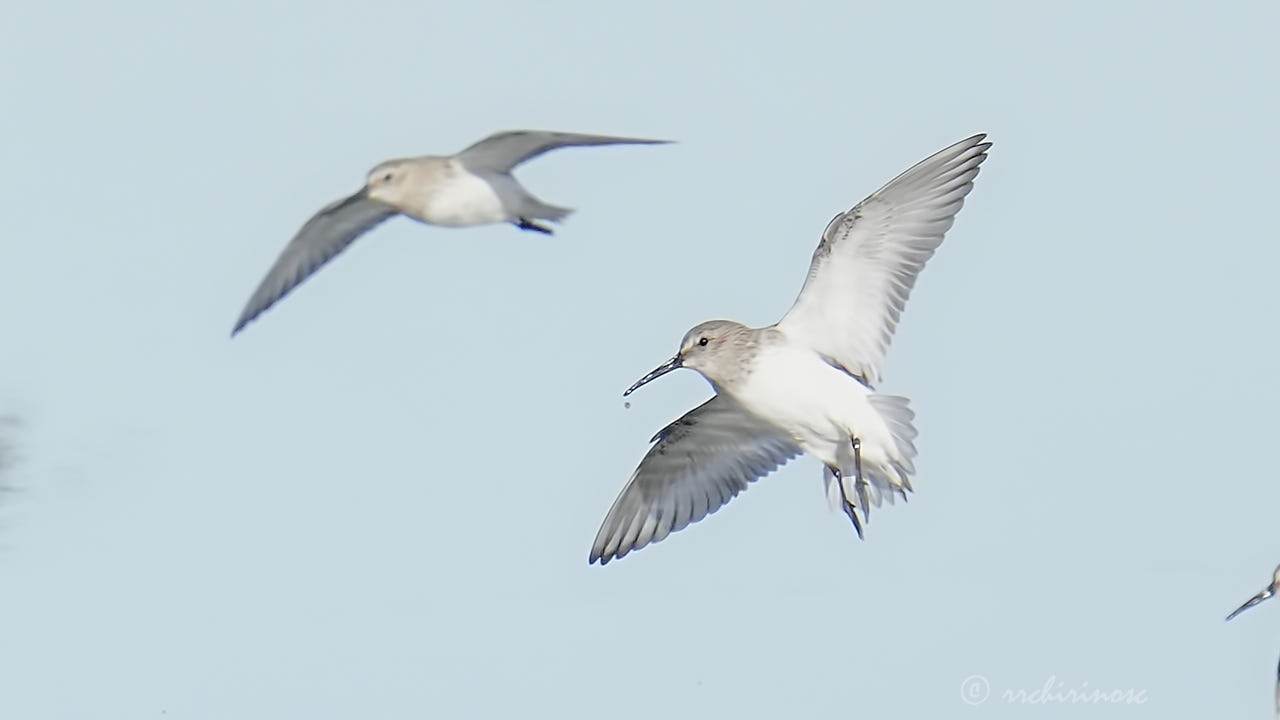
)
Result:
{"points": [[325, 235], [869, 257], [503, 151], [699, 463], [1266, 593]]}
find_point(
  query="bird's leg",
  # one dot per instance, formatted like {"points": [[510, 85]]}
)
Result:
{"points": [[526, 224], [848, 506], [861, 482]]}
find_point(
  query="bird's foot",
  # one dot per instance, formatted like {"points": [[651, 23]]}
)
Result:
{"points": [[850, 509], [526, 224], [860, 482]]}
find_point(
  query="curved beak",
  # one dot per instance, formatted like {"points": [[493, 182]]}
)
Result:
{"points": [[674, 363], [1266, 594]]}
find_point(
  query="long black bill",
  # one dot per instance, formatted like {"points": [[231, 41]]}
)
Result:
{"points": [[1265, 594], [666, 367]]}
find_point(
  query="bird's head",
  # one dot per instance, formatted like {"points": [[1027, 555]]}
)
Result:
{"points": [[387, 182], [717, 349]]}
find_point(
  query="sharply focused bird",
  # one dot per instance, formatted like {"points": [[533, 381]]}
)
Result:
{"points": [[804, 384], [474, 187]]}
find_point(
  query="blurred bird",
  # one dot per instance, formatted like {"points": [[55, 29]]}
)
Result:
{"points": [[1266, 593], [474, 187]]}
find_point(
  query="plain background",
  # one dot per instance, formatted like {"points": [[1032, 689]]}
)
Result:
{"points": [[377, 501]]}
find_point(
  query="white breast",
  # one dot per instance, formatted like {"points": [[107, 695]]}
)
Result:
{"points": [[819, 405], [461, 199]]}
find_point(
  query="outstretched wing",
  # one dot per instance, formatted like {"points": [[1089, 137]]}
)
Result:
{"points": [[503, 151], [699, 463], [868, 259], [325, 235]]}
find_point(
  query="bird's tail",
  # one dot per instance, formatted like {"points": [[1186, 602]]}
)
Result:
{"points": [[883, 479], [519, 202], [547, 211]]}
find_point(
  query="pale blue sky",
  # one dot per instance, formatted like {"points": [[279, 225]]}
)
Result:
{"points": [[378, 501]]}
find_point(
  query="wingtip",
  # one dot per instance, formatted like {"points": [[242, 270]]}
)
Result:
{"points": [[977, 140], [644, 141], [248, 317], [969, 149]]}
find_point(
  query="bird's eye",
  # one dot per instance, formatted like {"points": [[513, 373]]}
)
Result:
{"points": [[702, 342], [387, 177]]}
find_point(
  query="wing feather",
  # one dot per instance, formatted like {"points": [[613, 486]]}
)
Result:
{"points": [[326, 234], [869, 258], [698, 464], [501, 152]]}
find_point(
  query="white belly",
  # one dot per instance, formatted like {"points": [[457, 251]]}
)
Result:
{"points": [[462, 199], [822, 408]]}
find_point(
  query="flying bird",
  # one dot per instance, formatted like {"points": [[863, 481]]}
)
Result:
{"points": [[1265, 593], [473, 187], [804, 384]]}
